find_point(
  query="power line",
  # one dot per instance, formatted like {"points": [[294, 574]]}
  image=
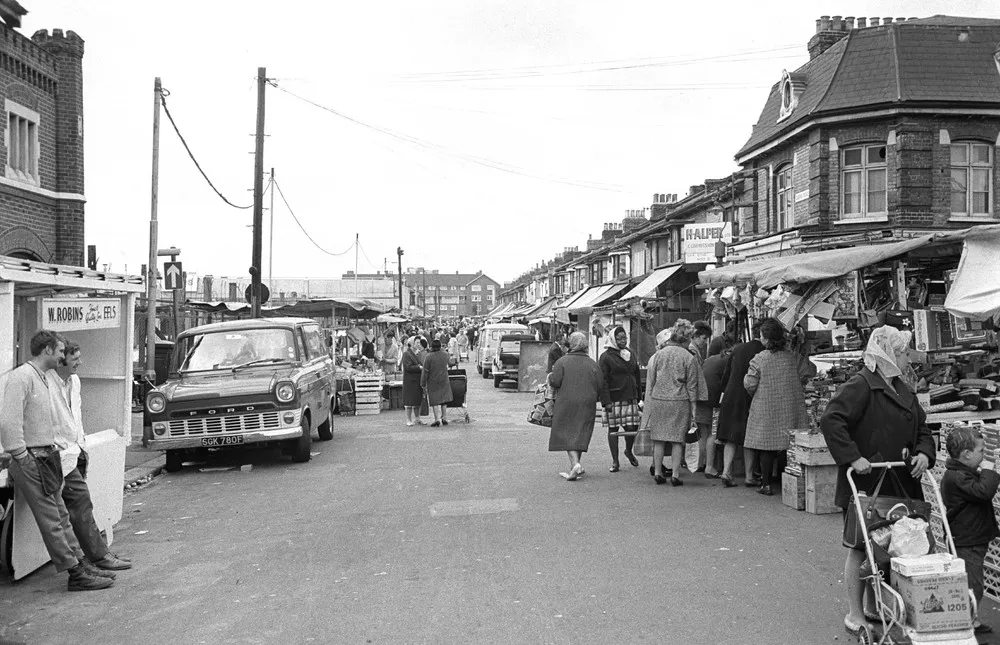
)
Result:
{"points": [[163, 100], [278, 186], [362, 249], [488, 163]]}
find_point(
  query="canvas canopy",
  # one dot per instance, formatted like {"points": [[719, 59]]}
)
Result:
{"points": [[975, 293], [649, 284]]}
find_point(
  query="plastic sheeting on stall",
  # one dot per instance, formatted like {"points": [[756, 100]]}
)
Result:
{"points": [[975, 293]]}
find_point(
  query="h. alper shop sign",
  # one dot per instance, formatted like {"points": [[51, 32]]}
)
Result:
{"points": [[699, 240]]}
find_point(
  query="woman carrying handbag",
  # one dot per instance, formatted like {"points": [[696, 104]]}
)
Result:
{"points": [[621, 375]]}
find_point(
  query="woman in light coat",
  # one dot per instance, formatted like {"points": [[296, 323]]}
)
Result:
{"points": [[674, 385], [774, 380], [581, 385]]}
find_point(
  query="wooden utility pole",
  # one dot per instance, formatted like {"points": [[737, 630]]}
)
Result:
{"points": [[399, 259], [150, 372], [270, 248], [258, 197]]}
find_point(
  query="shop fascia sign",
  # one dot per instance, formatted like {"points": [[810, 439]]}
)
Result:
{"points": [[699, 240], [74, 314]]}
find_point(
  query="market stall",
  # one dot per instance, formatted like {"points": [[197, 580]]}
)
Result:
{"points": [[96, 310]]}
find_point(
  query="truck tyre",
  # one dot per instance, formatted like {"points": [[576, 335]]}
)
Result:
{"points": [[497, 380], [301, 452], [174, 461], [325, 429]]}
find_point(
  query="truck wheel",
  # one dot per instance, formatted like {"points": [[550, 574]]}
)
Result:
{"points": [[325, 429], [487, 373], [479, 368], [174, 461], [303, 445], [496, 380]]}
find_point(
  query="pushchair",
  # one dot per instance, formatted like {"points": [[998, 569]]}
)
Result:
{"points": [[891, 626], [459, 389]]}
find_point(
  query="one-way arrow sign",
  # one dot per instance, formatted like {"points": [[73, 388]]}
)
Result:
{"points": [[173, 276]]}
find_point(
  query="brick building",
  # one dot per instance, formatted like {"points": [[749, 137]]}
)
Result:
{"points": [[443, 294], [41, 186], [890, 130]]}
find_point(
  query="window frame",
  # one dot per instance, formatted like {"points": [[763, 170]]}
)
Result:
{"points": [[970, 167], [865, 168], [784, 202], [26, 170]]}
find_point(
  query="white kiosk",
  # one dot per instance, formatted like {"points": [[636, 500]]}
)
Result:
{"points": [[96, 310]]}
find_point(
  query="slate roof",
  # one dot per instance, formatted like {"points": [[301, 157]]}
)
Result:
{"points": [[917, 61]]}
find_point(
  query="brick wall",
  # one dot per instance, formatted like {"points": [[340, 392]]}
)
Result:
{"points": [[44, 74]]}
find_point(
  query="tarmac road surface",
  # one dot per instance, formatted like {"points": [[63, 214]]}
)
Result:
{"points": [[458, 534]]}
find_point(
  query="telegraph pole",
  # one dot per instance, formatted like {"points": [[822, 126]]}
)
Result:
{"points": [[399, 259], [258, 197], [150, 372], [270, 248]]}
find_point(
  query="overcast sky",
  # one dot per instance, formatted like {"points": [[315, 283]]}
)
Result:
{"points": [[482, 135]]}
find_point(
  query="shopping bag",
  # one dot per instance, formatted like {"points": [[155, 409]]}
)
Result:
{"points": [[911, 537], [879, 508], [542, 408], [643, 446]]}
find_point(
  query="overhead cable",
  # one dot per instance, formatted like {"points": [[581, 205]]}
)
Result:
{"points": [[163, 101], [278, 186]]}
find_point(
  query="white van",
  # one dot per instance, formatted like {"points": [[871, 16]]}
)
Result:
{"points": [[489, 339]]}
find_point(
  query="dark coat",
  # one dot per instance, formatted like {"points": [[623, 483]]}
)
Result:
{"points": [[581, 385], [434, 378], [555, 353], [713, 368], [620, 376], [867, 419], [368, 349], [735, 408], [412, 392], [968, 495]]}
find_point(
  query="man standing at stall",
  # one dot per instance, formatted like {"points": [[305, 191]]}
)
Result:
{"points": [[64, 388], [27, 432]]}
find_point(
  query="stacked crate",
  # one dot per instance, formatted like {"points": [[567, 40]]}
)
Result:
{"points": [[809, 482], [367, 394]]}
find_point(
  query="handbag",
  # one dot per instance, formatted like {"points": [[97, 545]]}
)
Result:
{"points": [[643, 445], [692, 435], [880, 510]]}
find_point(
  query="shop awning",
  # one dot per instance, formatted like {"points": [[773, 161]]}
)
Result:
{"points": [[609, 294], [502, 310], [573, 298], [358, 308], [648, 286], [807, 267], [975, 292], [543, 309], [40, 278], [586, 302]]}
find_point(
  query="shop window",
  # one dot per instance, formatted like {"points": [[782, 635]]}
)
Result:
{"points": [[864, 182], [22, 144], [786, 198], [971, 179]]}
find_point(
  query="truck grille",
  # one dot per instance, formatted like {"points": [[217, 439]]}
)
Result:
{"points": [[224, 424]]}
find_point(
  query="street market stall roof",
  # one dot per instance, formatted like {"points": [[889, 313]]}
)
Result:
{"points": [[40, 278], [521, 310], [391, 319], [819, 265], [975, 292], [502, 310], [357, 308], [648, 286], [544, 308]]}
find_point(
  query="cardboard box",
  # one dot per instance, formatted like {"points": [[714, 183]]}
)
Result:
{"points": [[927, 564], [935, 602], [821, 484], [793, 491], [925, 336]]}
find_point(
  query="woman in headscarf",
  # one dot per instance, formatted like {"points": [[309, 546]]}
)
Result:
{"points": [[774, 380], [674, 385], [875, 417], [735, 408], [581, 385], [413, 394], [621, 376], [434, 379]]}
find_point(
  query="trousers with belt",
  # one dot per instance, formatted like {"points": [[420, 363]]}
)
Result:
{"points": [[49, 511], [76, 497]]}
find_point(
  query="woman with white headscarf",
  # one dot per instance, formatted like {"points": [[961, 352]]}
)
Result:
{"points": [[875, 417], [621, 375], [581, 385]]}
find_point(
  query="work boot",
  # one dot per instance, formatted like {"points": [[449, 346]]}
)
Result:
{"points": [[80, 580], [93, 570], [112, 562]]}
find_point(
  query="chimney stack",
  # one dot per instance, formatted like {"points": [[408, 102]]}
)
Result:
{"points": [[862, 23], [830, 32], [849, 23]]}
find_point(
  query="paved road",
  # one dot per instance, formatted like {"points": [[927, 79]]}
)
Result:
{"points": [[463, 534]]}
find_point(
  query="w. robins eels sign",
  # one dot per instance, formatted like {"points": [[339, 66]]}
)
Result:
{"points": [[73, 314]]}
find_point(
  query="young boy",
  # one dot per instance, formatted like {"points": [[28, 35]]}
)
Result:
{"points": [[968, 494]]}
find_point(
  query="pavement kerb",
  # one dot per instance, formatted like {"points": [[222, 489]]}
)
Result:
{"points": [[148, 470]]}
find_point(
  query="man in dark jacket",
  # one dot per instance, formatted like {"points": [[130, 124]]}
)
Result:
{"points": [[968, 493], [557, 351]]}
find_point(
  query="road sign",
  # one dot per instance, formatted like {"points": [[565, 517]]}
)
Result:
{"points": [[265, 294], [173, 276]]}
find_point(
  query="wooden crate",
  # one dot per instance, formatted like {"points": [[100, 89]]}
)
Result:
{"points": [[811, 450], [821, 483], [793, 491]]}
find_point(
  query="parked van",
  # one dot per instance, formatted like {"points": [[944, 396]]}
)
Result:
{"points": [[489, 340]]}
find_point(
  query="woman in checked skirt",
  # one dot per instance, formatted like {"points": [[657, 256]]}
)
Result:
{"points": [[621, 374]]}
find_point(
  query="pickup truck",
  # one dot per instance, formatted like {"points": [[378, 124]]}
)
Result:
{"points": [[508, 357]]}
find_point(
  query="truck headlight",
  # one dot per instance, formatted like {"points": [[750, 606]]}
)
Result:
{"points": [[285, 392], [155, 402]]}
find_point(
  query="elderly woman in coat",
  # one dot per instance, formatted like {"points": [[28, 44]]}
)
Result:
{"points": [[674, 385], [875, 416], [434, 379], [413, 394], [774, 380], [581, 385]]}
